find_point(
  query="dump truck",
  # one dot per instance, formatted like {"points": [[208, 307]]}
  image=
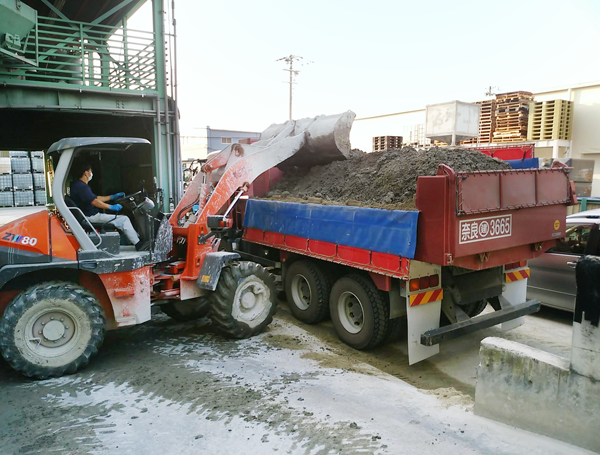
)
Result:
{"points": [[466, 246], [64, 281]]}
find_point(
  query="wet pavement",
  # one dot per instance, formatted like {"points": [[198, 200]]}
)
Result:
{"points": [[167, 387]]}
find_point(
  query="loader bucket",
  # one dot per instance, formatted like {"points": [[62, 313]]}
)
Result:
{"points": [[327, 139]]}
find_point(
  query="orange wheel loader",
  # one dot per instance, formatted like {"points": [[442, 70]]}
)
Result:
{"points": [[64, 281]]}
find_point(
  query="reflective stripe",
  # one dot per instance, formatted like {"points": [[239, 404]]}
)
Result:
{"points": [[426, 297], [517, 275]]}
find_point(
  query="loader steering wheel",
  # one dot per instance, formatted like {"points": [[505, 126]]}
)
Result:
{"points": [[129, 196]]}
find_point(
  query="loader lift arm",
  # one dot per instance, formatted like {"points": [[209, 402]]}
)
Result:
{"points": [[311, 141]]}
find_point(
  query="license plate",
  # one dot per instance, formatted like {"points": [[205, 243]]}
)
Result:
{"points": [[480, 229]]}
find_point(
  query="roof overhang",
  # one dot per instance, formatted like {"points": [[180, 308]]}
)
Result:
{"points": [[98, 143]]}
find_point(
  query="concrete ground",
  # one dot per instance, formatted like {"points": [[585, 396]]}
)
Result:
{"points": [[167, 387]]}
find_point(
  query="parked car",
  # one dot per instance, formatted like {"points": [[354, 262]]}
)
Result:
{"points": [[552, 280]]}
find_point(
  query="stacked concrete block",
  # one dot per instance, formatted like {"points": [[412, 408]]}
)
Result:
{"points": [[7, 199], [22, 182], [27, 173], [23, 198], [40, 197], [6, 185]]}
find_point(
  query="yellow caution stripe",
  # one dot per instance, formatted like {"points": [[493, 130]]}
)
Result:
{"points": [[517, 275], [426, 297]]}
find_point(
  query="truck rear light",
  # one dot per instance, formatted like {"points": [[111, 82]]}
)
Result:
{"points": [[515, 265], [425, 282], [414, 285]]}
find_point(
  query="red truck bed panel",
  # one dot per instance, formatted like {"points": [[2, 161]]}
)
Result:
{"points": [[483, 219]]}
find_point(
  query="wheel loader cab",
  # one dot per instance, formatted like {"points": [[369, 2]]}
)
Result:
{"points": [[119, 165]]}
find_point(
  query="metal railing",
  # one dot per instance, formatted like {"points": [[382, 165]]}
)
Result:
{"points": [[79, 53]]}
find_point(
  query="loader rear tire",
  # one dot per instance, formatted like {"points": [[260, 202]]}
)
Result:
{"points": [[187, 310], [359, 313], [245, 300], [307, 290], [52, 329]]}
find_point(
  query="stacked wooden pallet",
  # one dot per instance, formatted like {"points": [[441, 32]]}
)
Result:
{"points": [[550, 120], [487, 123], [387, 142], [512, 116]]}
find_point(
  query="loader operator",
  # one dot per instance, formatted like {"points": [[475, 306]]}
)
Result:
{"points": [[90, 205]]}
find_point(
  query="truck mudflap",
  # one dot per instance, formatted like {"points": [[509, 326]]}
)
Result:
{"points": [[425, 333]]}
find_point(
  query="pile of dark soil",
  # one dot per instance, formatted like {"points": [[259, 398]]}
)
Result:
{"points": [[386, 179]]}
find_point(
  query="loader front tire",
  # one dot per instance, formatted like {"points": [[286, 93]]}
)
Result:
{"points": [[52, 329], [245, 300], [187, 310]]}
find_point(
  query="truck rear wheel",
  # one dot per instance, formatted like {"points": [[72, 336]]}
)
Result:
{"points": [[307, 291], [187, 310], [359, 314], [52, 329], [474, 308], [245, 300]]}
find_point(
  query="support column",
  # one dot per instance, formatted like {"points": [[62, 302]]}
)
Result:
{"points": [[585, 351], [161, 145], [555, 150]]}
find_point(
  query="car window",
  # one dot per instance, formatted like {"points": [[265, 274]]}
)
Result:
{"points": [[575, 240]]}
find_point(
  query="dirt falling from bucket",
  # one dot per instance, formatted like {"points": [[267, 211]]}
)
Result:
{"points": [[386, 179]]}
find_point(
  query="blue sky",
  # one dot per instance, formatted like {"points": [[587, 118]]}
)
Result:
{"points": [[373, 57]]}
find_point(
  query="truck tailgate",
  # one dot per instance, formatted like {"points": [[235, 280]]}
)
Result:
{"points": [[488, 218]]}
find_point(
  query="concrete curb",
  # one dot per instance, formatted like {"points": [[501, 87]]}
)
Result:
{"points": [[537, 391]]}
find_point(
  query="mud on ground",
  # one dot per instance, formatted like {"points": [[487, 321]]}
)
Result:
{"points": [[386, 179]]}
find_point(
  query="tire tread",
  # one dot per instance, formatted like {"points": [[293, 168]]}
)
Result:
{"points": [[380, 308], [323, 289], [221, 301], [25, 300]]}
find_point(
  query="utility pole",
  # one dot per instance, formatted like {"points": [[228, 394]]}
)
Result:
{"points": [[491, 90], [290, 61]]}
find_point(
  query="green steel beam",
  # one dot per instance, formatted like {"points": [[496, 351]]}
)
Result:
{"points": [[111, 11], [55, 10], [25, 97], [161, 159]]}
